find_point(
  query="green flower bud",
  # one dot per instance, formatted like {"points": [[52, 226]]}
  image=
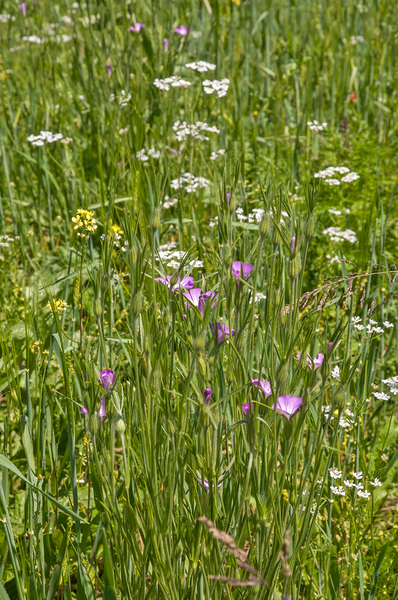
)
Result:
{"points": [[97, 307], [120, 426], [155, 221], [227, 257], [93, 424], [309, 227], [136, 306], [264, 227], [282, 373], [200, 341], [295, 266]]}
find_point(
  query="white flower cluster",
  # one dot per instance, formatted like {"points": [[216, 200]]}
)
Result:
{"points": [[169, 203], [335, 373], [34, 39], [215, 155], [6, 18], [315, 126], [167, 253], [381, 396], [201, 66], [151, 152], [357, 39], [362, 8], [335, 473], [220, 87], [329, 175], [189, 182], [370, 327], [337, 213], [258, 297], [392, 383], [44, 137], [183, 131], [255, 216], [124, 99], [213, 222], [347, 419], [6, 240], [174, 81], [337, 235], [340, 491]]}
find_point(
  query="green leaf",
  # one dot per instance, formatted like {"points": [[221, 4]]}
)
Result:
{"points": [[377, 569], [109, 580]]}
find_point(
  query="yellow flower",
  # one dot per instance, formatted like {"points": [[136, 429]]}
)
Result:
{"points": [[117, 229], [59, 306], [84, 220]]}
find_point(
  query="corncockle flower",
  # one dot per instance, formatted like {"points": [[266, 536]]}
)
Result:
{"points": [[181, 30], [288, 406], [206, 484], [228, 197], [22, 6], [102, 412], [338, 491], [120, 164], [165, 44], [186, 282], [194, 298], [207, 397], [108, 69], [136, 28], [107, 379], [376, 482], [263, 386], [335, 473], [222, 332], [292, 245], [84, 410], [241, 270], [246, 409], [381, 395], [313, 364], [207, 296]]}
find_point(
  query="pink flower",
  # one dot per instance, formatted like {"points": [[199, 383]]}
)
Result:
{"points": [[207, 397], [136, 28], [222, 332], [241, 270], [186, 282], [263, 386], [107, 379], [288, 406], [84, 410], [165, 44], [316, 363], [181, 30], [108, 69], [22, 7], [246, 409], [102, 412]]}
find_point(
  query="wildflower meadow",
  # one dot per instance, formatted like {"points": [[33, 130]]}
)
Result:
{"points": [[198, 300]]}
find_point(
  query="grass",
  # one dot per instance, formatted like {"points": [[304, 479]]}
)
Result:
{"points": [[167, 497]]}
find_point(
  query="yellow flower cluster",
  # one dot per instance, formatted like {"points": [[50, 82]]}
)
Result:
{"points": [[84, 220], [59, 305], [117, 229]]}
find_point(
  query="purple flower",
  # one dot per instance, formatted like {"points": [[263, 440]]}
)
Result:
{"points": [[316, 363], [108, 69], [84, 411], [102, 412], [330, 346], [206, 484], [136, 28], [181, 30], [292, 244], [207, 397], [186, 282], [246, 410], [120, 164], [263, 386], [228, 197], [288, 406], [241, 270], [194, 297], [222, 332], [107, 379], [22, 6], [165, 44]]}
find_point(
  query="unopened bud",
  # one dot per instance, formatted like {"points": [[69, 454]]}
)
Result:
{"points": [[120, 426], [97, 307], [136, 306], [228, 257], [282, 373], [155, 221], [264, 227], [200, 341], [207, 397], [309, 227], [93, 424], [295, 265]]}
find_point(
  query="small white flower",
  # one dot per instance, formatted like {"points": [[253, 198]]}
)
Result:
{"points": [[332, 181], [201, 66], [358, 475], [376, 482], [174, 81], [142, 156], [356, 320], [220, 87], [154, 153], [335, 473], [381, 395], [388, 325], [350, 177], [334, 211], [359, 327], [364, 494], [349, 484], [336, 373], [337, 490]]}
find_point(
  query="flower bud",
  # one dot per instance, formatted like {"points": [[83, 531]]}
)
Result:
{"points": [[228, 257], [200, 341], [309, 227], [295, 266], [136, 306], [93, 424], [207, 397], [282, 373], [97, 307], [155, 221], [120, 426], [202, 366], [264, 227]]}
